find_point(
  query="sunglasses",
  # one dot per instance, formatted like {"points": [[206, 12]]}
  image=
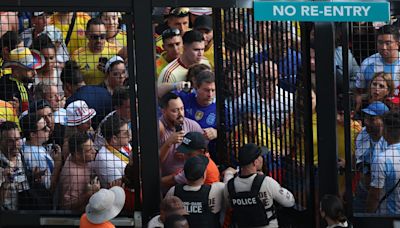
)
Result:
{"points": [[180, 12], [98, 37], [168, 33]]}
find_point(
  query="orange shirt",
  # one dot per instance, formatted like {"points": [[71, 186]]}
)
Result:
{"points": [[84, 223], [212, 172]]}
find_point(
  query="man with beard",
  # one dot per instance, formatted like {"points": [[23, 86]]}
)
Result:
{"points": [[369, 143], [93, 57], [176, 126], [14, 87]]}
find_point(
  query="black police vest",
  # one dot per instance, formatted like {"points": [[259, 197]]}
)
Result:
{"points": [[196, 204], [248, 210]]}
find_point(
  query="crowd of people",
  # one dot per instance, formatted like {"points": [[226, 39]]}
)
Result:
{"points": [[66, 130]]}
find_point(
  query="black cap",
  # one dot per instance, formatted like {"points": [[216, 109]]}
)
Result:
{"points": [[192, 141], [195, 167], [203, 22], [250, 152], [38, 105]]}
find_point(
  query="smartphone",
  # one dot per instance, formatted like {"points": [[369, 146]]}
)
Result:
{"points": [[103, 60], [178, 128]]}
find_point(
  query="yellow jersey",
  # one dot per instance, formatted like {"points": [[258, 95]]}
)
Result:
{"points": [[8, 113], [120, 40], [209, 54], [88, 62], [161, 63], [78, 38]]}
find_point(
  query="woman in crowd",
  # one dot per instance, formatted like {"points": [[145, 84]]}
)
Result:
{"points": [[114, 34], [332, 211], [381, 87]]}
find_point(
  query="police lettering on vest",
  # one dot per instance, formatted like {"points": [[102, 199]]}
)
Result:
{"points": [[248, 210], [245, 201], [193, 207]]}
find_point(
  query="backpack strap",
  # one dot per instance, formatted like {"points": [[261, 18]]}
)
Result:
{"points": [[231, 187], [257, 182], [178, 191]]}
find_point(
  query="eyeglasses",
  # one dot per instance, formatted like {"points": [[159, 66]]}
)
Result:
{"points": [[97, 37], [180, 12], [168, 33]]}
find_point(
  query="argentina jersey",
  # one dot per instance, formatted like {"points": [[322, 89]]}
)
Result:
{"points": [[374, 64], [384, 175], [205, 116]]}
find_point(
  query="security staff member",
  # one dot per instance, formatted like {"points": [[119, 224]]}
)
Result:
{"points": [[251, 195], [202, 202]]}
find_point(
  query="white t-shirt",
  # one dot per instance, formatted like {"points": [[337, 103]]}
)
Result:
{"points": [[155, 222], [108, 167]]}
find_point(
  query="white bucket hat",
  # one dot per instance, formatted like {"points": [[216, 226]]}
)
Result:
{"points": [[105, 204], [78, 112]]}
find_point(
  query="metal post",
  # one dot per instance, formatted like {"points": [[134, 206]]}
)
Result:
{"points": [[347, 120], [308, 125], [148, 123], [326, 108]]}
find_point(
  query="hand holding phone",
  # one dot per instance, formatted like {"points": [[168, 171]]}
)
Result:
{"points": [[102, 64]]}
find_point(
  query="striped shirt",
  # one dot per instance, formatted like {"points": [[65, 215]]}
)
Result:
{"points": [[385, 172]]}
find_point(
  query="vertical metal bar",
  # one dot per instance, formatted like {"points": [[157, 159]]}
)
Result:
{"points": [[134, 117], [148, 122], [308, 123], [326, 108], [221, 112], [347, 120]]}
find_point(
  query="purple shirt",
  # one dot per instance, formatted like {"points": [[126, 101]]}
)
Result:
{"points": [[171, 165]]}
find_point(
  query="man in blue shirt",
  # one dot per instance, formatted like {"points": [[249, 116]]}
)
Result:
{"points": [[96, 97], [384, 193], [200, 106]]}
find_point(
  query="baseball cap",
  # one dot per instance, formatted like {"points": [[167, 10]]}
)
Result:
{"points": [[203, 22], [376, 108], [173, 205], [195, 167], [192, 141], [111, 61], [250, 152], [198, 11], [25, 57]]}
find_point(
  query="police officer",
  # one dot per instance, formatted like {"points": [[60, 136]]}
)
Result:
{"points": [[251, 195], [202, 202]]}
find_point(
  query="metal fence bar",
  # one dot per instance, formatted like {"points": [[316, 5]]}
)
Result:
{"points": [[148, 108], [326, 108]]}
